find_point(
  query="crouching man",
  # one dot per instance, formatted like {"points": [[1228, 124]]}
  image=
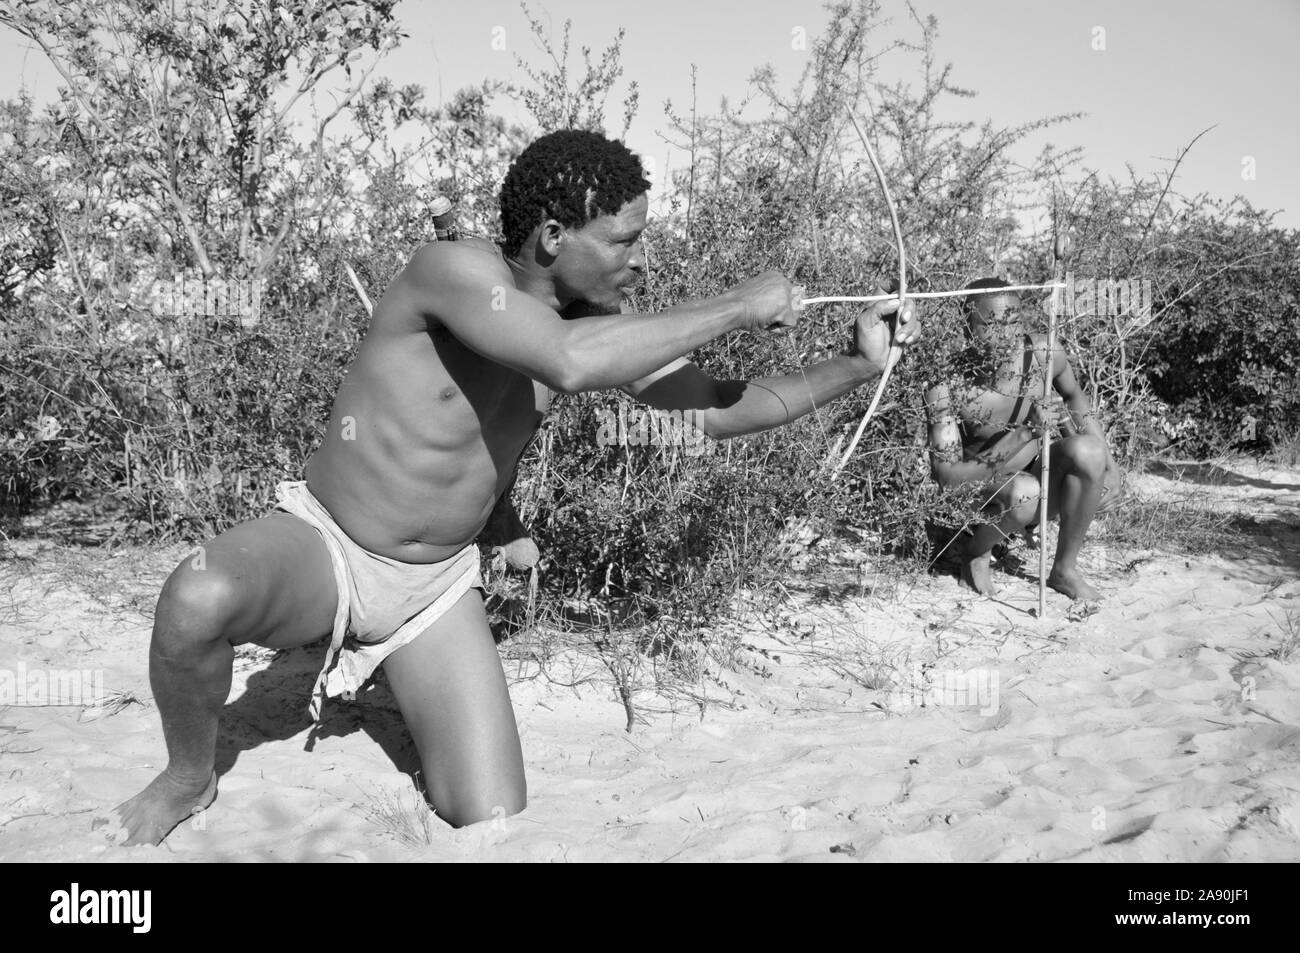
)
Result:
{"points": [[982, 430]]}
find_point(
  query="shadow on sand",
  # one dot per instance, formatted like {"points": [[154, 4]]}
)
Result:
{"points": [[273, 707], [1211, 474], [1274, 540]]}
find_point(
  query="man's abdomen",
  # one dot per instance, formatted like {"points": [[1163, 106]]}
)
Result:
{"points": [[411, 482], [413, 514]]}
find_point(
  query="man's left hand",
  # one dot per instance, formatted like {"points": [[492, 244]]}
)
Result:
{"points": [[881, 326]]}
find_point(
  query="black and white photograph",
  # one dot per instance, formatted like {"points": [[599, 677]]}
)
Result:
{"points": [[573, 432]]}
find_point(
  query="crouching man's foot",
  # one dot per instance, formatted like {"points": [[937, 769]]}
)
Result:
{"points": [[150, 816], [1071, 583], [977, 572]]}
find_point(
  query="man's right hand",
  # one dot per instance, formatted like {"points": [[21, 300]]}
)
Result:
{"points": [[767, 301], [1048, 414]]}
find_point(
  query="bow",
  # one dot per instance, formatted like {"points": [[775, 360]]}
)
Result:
{"points": [[895, 349]]}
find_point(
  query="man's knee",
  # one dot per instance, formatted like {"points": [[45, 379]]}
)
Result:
{"points": [[463, 808], [1018, 498], [1085, 455], [198, 605]]}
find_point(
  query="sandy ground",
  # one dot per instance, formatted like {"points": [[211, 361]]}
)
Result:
{"points": [[870, 718]]}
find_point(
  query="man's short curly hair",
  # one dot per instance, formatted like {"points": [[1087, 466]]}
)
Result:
{"points": [[571, 176]]}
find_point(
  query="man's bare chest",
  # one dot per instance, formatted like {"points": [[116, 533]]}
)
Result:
{"points": [[989, 410], [500, 401]]}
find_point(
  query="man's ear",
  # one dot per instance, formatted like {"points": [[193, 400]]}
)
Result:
{"points": [[551, 237]]}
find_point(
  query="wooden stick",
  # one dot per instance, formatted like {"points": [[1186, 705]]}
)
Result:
{"points": [[864, 299], [361, 292], [1045, 446]]}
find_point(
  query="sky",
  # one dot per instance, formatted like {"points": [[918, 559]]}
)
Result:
{"points": [[1149, 74]]}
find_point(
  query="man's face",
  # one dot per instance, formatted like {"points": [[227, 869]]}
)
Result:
{"points": [[602, 261], [994, 319]]}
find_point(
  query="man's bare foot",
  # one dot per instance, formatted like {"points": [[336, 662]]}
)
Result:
{"points": [[150, 815], [1072, 583], [977, 573]]}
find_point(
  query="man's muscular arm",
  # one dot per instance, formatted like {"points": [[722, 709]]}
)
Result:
{"points": [[732, 408], [473, 294], [505, 532], [503, 524], [1081, 419], [946, 450]]}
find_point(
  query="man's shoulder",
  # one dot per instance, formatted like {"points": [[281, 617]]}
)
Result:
{"points": [[482, 244], [435, 277], [468, 258]]}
